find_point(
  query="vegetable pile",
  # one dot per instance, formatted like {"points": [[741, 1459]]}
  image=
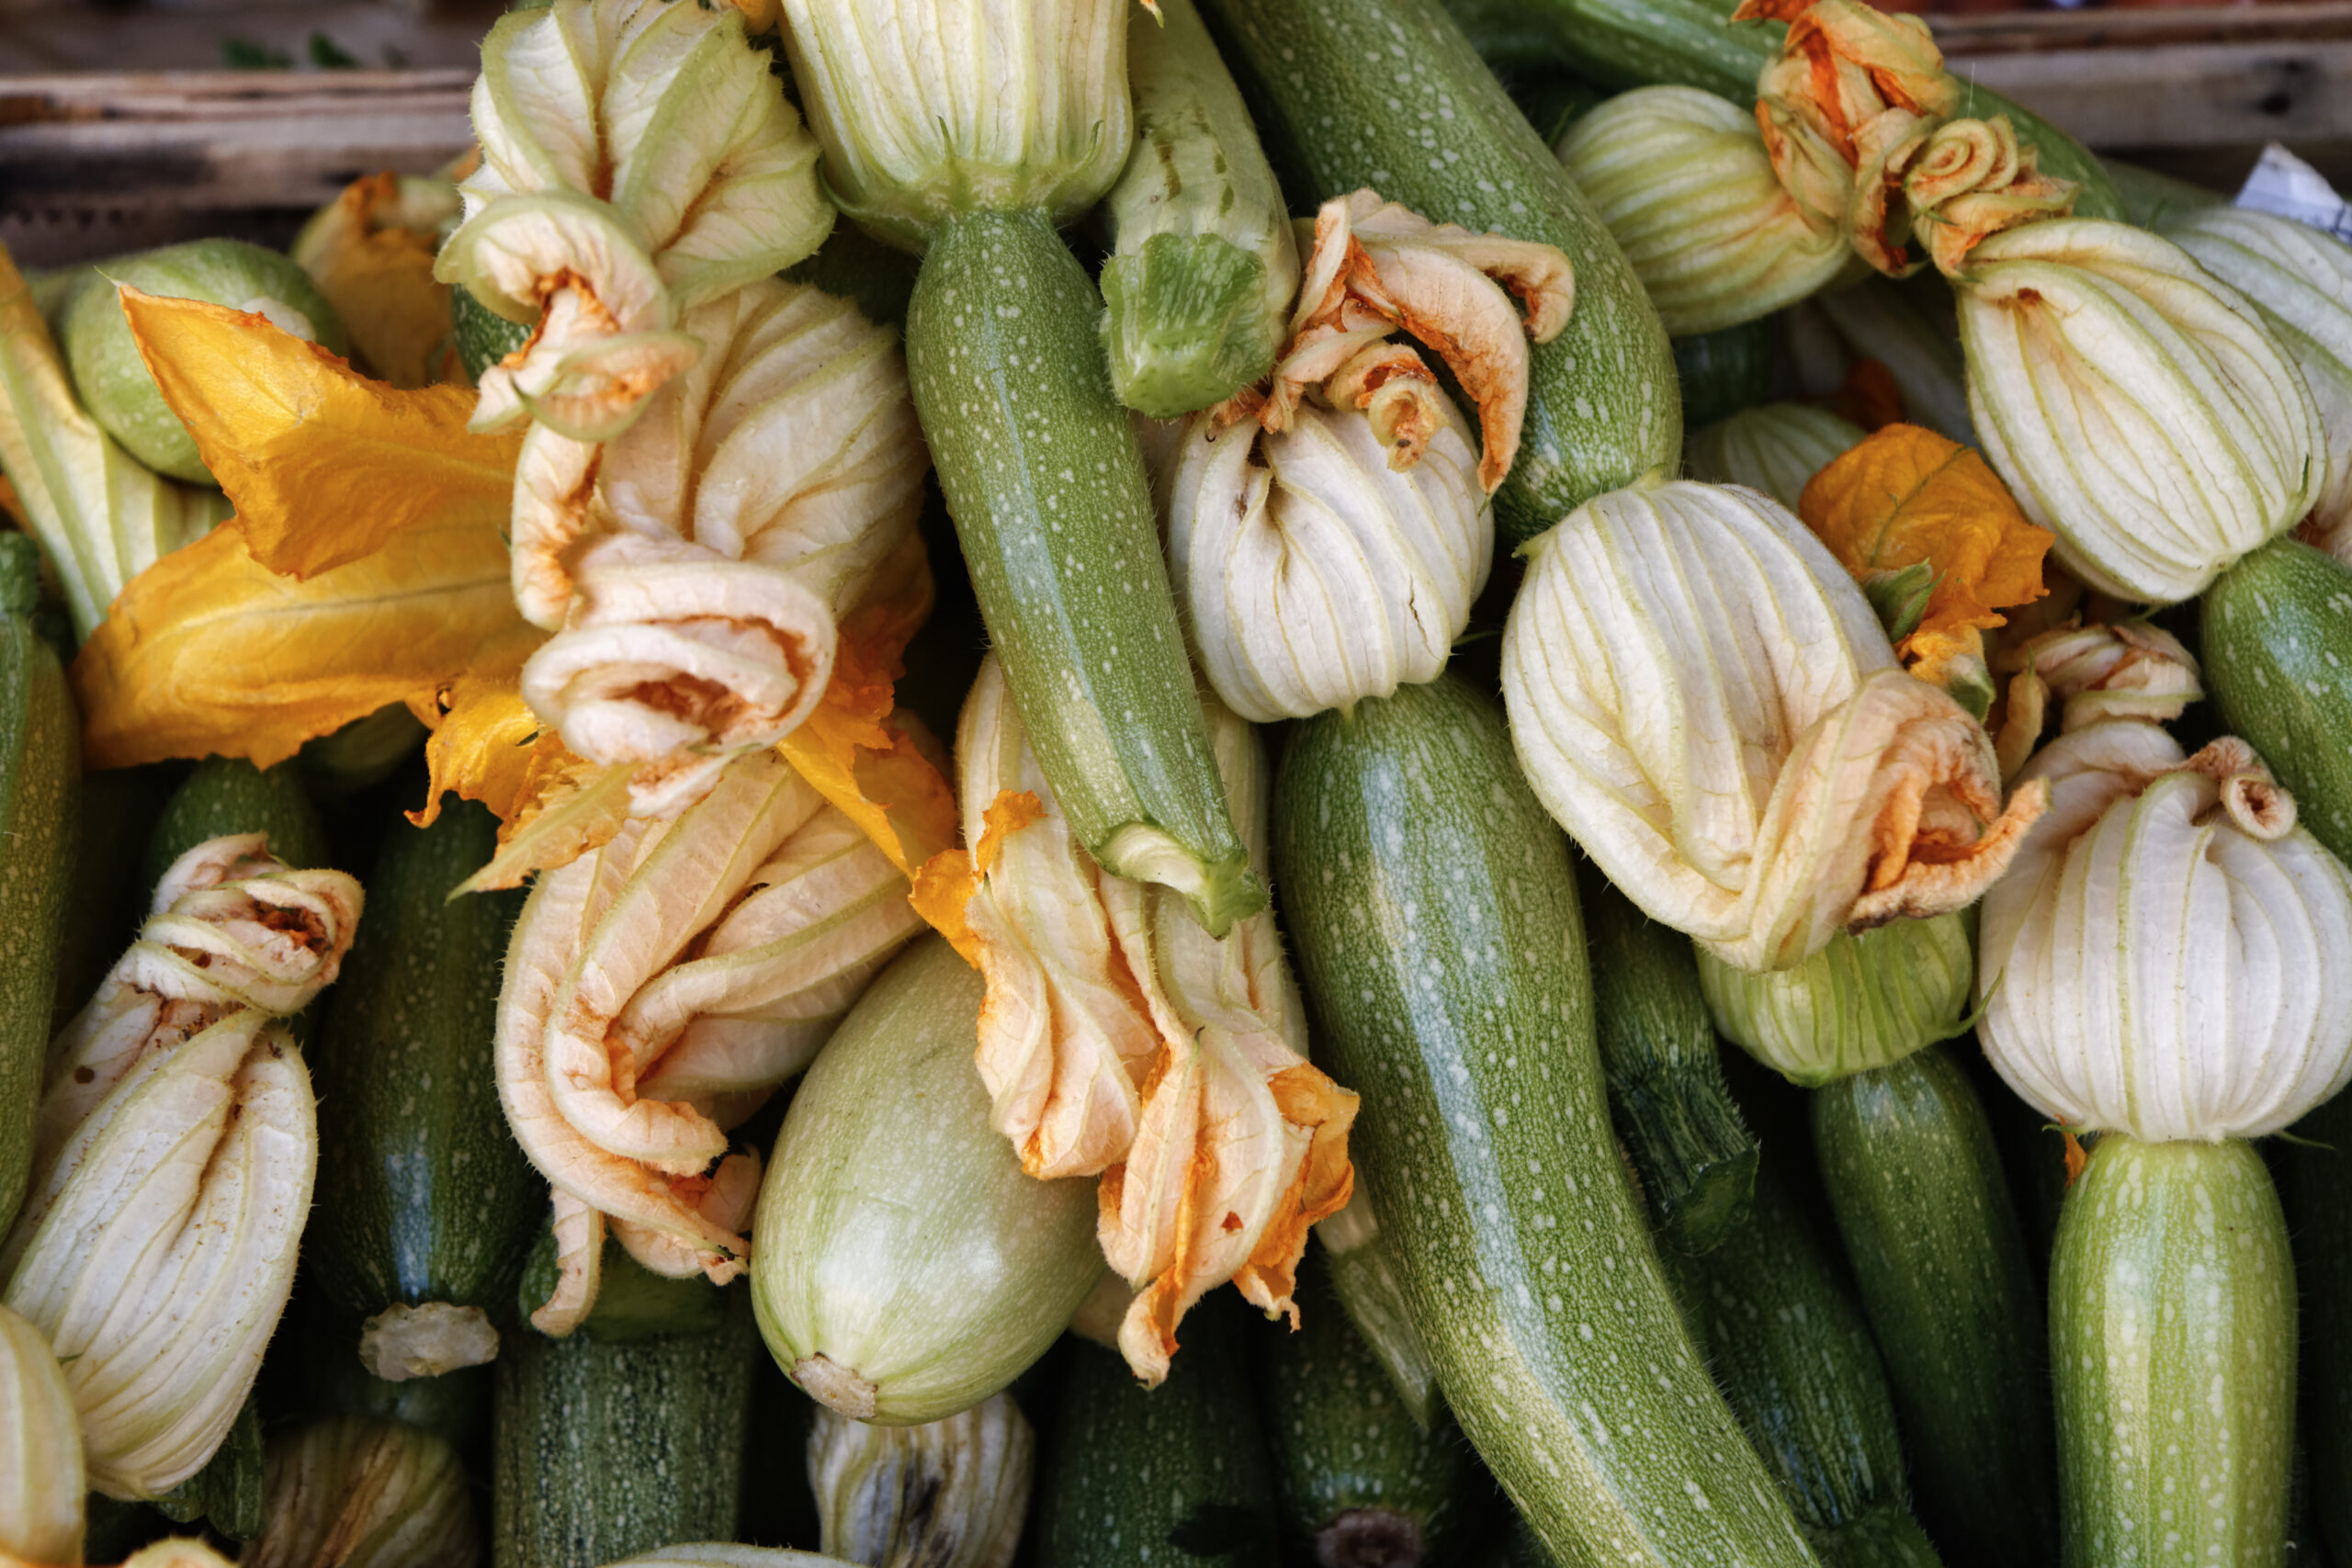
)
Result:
{"points": [[705, 819]]}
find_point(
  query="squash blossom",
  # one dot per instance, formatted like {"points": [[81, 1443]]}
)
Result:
{"points": [[2127, 669], [954, 1491], [370, 253], [1118, 1036], [398, 1489], [1328, 529], [638, 159], [1684, 181], [1773, 447], [173, 1151], [658, 987], [1704, 699], [42, 1488]]}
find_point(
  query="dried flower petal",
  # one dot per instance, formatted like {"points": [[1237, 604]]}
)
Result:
{"points": [[1970, 180], [370, 253], [2129, 670]]}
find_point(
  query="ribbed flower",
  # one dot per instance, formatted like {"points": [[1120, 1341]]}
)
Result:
{"points": [[2170, 955], [1704, 699], [2136, 405], [639, 158], [1682, 179], [932, 107], [2128, 670], [2299, 278], [1119, 1036], [362, 1493], [1773, 447], [949, 1493], [694, 570], [41, 1450], [660, 985]]}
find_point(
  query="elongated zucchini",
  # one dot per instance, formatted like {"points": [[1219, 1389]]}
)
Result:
{"points": [[1923, 1207], [1203, 266], [1725, 371], [1388, 94], [1365, 1278], [1359, 1483], [2315, 1185], [105, 900], [1044, 478], [1696, 1157], [1178, 1473], [607, 1447], [41, 770], [2172, 1329], [1433, 906], [425, 1202], [2277, 628], [1797, 1362], [232, 1492], [229, 795], [904, 1266]]}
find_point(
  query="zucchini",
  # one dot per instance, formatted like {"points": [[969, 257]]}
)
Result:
{"points": [[484, 337], [603, 1448], [1433, 906], [1798, 1364], [1363, 1279], [424, 1197], [41, 770], [1203, 270], [105, 900], [1726, 371], [1359, 1483], [632, 1302], [2313, 1181], [2172, 1329], [1694, 1154], [1178, 1473], [2276, 629], [1922, 1204], [1356, 90], [232, 1492], [1045, 479], [903, 1265], [453, 1406], [229, 795]]}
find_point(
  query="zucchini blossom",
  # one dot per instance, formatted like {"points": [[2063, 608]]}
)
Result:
{"points": [[1772, 447], [1118, 1036], [2170, 954], [639, 158], [658, 987], [174, 1152], [41, 1489], [366, 1493], [1704, 698], [947, 1493]]}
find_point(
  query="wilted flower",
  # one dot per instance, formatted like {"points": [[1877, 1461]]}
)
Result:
{"points": [[370, 251], [1965, 181], [2170, 955], [361, 1493], [1773, 447], [1682, 179], [928, 108], [1864, 1000], [2136, 405], [949, 1493], [2128, 670], [1703, 697]]}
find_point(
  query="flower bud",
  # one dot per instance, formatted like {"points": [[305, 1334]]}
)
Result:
{"points": [[2299, 278], [1867, 999], [947, 1493], [2129, 670], [932, 108], [1964, 181], [1682, 179], [2135, 405], [41, 1450], [354, 1491], [2170, 955], [639, 158], [1313, 572], [1704, 699], [1774, 447]]}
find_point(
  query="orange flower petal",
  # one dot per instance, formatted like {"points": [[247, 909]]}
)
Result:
{"points": [[483, 732]]}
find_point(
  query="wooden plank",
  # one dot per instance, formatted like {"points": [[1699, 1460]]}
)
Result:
{"points": [[2010, 32], [166, 35], [2190, 95]]}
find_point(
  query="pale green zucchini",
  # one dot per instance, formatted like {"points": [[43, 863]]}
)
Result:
{"points": [[1433, 907], [2277, 629], [1364, 1277]]}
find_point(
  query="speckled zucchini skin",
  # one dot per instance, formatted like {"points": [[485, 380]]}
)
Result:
{"points": [[1433, 907], [2277, 628]]}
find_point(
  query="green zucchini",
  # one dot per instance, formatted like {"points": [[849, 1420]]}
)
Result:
{"points": [[1389, 94], [1726, 371], [105, 900], [1363, 1277], [1695, 1156], [40, 771], [229, 795], [2277, 629], [904, 1266], [453, 1406], [1045, 479], [1796, 1360], [1433, 907], [2172, 1330], [2315, 1183], [484, 337], [854, 265], [632, 1302], [602, 1449], [2151, 200], [424, 1196], [1922, 1204], [1178, 1473], [1361, 1484], [232, 1492], [1202, 269]]}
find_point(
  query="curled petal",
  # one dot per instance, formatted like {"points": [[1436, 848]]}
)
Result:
{"points": [[1971, 179], [2129, 670], [580, 1260], [726, 1201]]}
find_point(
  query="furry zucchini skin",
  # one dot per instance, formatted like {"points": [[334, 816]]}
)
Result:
{"points": [[1433, 907]]}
